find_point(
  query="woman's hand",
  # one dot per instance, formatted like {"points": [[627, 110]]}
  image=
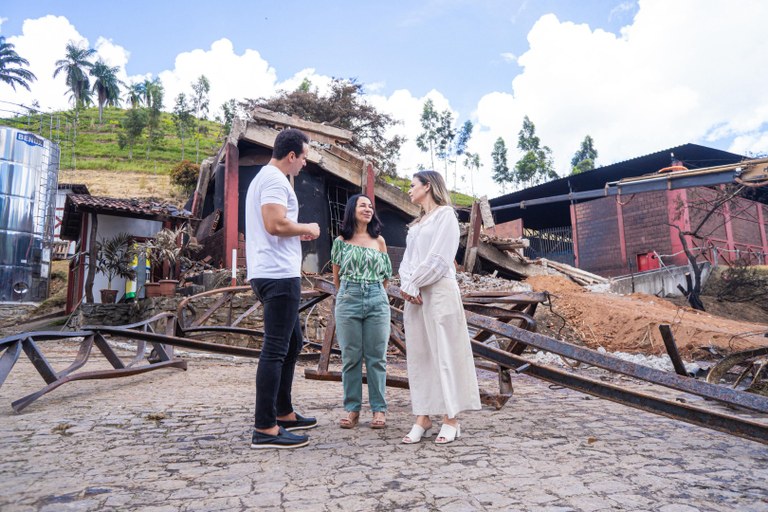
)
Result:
{"points": [[411, 298]]}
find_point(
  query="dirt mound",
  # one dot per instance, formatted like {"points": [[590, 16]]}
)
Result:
{"points": [[631, 323]]}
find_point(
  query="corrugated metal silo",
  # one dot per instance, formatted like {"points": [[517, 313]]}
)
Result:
{"points": [[29, 167]]}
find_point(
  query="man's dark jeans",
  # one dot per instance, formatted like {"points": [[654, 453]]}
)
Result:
{"points": [[281, 347]]}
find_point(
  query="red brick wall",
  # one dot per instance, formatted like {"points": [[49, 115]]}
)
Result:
{"points": [[598, 235], [700, 201], [511, 229], [646, 226], [744, 225], [646, 229]]}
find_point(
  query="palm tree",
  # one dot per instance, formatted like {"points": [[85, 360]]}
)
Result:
{"points": [[73, 65], [153, 93], [135, 94], [106, 86], [11, 71]]}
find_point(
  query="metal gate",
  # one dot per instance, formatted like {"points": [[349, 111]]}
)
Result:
{"points": [[555, 244]]}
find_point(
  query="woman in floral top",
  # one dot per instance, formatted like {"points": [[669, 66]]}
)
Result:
{"points": [[361, 268]]}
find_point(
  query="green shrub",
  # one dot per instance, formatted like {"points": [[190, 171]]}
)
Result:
{"points": [[184, 175]]}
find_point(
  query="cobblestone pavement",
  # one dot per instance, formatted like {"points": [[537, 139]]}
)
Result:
{"points": [[172, 440]]}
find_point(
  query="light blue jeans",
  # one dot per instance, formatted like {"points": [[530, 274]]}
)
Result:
{"points": [[362, 328]]}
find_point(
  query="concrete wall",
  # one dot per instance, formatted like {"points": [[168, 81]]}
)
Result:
{"points": [[662, 282]]}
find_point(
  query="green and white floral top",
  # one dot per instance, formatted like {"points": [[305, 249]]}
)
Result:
{"points": [[360, 264]]}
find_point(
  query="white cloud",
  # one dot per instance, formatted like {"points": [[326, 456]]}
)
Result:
{"points": [[665, 80], [509, 57], [622, 9], [230, 75], [42, 43], [683, 71], [405, 107]]}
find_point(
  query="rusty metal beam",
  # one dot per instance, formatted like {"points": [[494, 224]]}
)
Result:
{"points": [[722, 422], [608, 362], [20, 404]]}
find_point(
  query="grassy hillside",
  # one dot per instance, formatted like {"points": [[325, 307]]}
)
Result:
{"points": [[403, 184], [96, 146], [97, 149]]}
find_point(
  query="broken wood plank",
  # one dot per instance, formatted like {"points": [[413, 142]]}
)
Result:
{"points": [[485, 211], [473, 238], [576, 274]]}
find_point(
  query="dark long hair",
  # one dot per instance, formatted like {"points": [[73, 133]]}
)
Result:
{"points": [[349, 224]]}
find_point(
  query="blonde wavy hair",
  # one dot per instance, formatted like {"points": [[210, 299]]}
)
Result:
{"points": [[438, 189]]}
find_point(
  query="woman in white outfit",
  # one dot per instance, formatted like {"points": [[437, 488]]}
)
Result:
{"points": [[441, 370]]}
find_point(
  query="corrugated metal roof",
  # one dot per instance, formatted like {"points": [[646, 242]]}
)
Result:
{"points": [[693, 156]]}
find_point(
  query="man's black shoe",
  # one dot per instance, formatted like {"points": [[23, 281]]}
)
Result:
{"points": [[283, 439], [300, 423]]}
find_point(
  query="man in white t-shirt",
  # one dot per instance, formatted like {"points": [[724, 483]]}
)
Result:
{"points": [[273, 254]]}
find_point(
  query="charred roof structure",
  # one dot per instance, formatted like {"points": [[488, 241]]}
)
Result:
{"points": [[332, 175]]}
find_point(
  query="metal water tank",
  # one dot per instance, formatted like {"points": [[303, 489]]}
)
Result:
{"points": [[29, 167]]}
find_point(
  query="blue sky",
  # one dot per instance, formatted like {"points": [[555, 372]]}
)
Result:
{"points": [[638, 76]]}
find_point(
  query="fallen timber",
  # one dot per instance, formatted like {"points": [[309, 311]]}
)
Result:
{"points": [[482, 313]]}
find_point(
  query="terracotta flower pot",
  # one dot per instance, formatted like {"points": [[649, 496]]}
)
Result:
{"points": [[152, 290], [108, 296], [168, 287]]}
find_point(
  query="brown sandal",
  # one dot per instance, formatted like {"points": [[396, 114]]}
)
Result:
{"points": [[379, 423], [350, 421]]}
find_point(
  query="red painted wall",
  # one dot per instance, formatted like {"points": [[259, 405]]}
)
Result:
{"points": [[646, 219]]}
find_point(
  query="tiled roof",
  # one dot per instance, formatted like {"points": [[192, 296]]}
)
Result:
{"points": [[76, 188], [138, 207]]}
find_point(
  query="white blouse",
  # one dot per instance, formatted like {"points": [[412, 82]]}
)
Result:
{"points": [[430, 250]]}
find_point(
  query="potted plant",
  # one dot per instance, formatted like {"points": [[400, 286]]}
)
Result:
{"points": [[113, 259], [169, 245]]}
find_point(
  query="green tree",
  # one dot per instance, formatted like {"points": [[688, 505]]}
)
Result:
{"points": [[501, 174], [132, 126], [536, 165], [201, 89], [182, 119], [229, 111], [135, 94], [438, 135], [74, 66], [12, 70], [344, 107], [305, 85], [106, 86], [153, 101], [472, 163], [185, 174], [430, 123], [584, 159], [460, 146]]}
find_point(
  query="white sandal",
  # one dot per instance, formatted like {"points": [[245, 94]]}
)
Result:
{"points": [[448, 434], [416, 433]]}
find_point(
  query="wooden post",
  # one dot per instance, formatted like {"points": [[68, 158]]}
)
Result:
{"points": [[674, 355], [367, 182], [485, 211], [473, 238], [622, 239], [729, 230], [575, 235], [763, 238], [231, 203]]}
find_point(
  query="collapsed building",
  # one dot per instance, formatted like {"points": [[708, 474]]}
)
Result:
{"points": [[333, 173]]}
